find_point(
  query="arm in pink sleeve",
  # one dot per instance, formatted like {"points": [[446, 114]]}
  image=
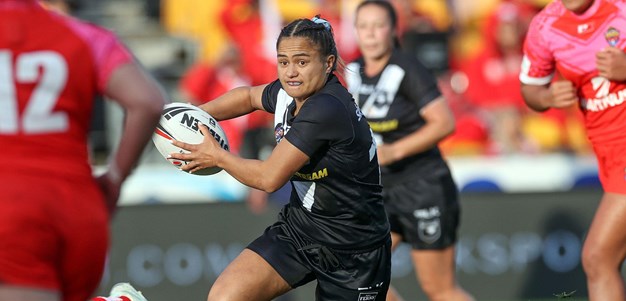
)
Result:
{"points": [[538, 64], [109, 54]]}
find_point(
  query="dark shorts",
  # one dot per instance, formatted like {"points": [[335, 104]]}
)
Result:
{"points": [[424, 211], [341, 275]]}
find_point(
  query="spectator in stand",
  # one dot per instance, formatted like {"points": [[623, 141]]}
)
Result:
{"points": [[252, 24], [339, 13], [203, 82], [439, 14], [492, 75], [248, 29], [471, 137]]}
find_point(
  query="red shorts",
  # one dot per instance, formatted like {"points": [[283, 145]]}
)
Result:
{"points": [[612, 166], [53, 234]]}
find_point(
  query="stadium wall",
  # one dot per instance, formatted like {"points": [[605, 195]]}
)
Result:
{"points": [[177, 232]]}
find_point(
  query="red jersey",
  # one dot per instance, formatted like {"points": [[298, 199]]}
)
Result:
{"points": [[559, 40], [51, 67]]}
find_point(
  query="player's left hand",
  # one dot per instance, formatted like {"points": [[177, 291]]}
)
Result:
{"points": [[200, 156], [386, 154], [611, 64]]}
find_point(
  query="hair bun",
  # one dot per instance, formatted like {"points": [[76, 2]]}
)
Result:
{"points": [[318, 20]]}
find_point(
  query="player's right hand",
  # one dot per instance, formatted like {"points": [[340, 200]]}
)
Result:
{"points": [[563, 94]]}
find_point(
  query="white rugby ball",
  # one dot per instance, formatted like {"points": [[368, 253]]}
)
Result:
{"points": [[179, 121]]}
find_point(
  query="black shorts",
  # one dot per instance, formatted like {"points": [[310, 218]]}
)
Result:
{"points": [[425, 211], [341, 275]]}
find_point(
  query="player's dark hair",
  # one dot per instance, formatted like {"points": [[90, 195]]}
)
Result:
{"points": [[391, 13], [318, 31]]}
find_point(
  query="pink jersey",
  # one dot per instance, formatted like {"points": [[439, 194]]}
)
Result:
{"points": [[51, 68], [561, 41]]}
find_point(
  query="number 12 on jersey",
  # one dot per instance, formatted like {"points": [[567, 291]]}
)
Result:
{"points": [[48, 71]]}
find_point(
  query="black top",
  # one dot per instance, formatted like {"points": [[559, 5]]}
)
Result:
{"points": [[391, 101], [336, 198]]}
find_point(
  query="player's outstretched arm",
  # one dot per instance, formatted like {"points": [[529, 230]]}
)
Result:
{"points": [[235, 103]]}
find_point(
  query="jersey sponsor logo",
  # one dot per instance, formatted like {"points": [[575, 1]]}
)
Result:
{"points": [[369, 296], [603, 99], [314, 175], [612, 36], [384, 126], [601, 85]]}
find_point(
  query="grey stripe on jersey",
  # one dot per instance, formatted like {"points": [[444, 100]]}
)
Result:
{"points": [[306, 193]]}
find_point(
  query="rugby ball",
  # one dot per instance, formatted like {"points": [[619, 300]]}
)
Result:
{"points": [[179, 121]]}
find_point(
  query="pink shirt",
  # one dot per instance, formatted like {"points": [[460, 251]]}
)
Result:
{"points": [[559, 41]]}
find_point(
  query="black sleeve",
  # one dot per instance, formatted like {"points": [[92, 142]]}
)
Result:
{"points": [[270, 95], [322, 120], [420, 84]]}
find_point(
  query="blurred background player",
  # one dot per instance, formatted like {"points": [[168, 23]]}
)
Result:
{"points": [[409, 116], [582, 42], [493, 77], [54, 213]]}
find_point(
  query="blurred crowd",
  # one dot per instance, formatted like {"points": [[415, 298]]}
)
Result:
{"points": [[474, 47]]}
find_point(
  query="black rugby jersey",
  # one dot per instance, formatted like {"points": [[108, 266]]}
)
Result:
{"points": [[336, 198], [391, 101]]}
